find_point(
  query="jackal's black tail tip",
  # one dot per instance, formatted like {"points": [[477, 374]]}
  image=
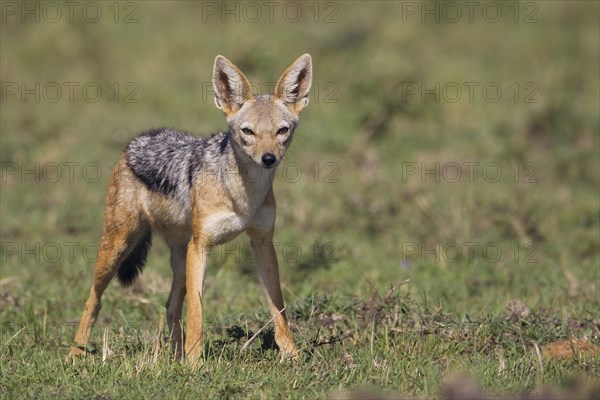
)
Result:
{"points": [[133, 265]]}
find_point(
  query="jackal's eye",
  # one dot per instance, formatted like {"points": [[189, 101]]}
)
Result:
{"points": [[247, 131], [283, 131]]}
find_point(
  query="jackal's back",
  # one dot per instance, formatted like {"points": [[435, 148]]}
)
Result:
{"points": [[167, 161]]}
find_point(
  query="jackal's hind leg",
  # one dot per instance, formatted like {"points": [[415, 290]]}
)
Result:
{"points": [[124, 245]]}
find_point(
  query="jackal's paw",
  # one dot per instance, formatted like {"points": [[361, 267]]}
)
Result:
{"points": [[194, 361], [193, 355], [290, 354], [78, 351]]}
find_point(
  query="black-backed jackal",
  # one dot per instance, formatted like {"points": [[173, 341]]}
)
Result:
{"points": [[197, 193]]}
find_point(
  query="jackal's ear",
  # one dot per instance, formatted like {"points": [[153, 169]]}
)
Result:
{"points": [[295, 82], [231, 86]]}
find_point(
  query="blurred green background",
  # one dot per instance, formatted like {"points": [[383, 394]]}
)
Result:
{"points": [[406, 95]]}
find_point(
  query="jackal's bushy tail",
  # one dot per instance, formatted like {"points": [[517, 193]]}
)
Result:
{"points": [[133, 265]]}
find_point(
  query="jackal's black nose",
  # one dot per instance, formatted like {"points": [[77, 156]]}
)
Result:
{"points": [[268, 159]]}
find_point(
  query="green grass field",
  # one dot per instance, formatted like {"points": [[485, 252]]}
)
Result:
{"points": [[438, 212]]}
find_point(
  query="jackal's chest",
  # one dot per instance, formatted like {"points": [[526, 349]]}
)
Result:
{"points": [[224, 226]]}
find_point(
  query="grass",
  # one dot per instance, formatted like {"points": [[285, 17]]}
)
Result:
{"points": [[391, 273]]}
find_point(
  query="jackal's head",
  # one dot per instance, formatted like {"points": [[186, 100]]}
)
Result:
{"points": [[262, 126]]}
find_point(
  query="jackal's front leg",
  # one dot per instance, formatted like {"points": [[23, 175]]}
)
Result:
{"points": [[268, 269], [196, 263]]}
